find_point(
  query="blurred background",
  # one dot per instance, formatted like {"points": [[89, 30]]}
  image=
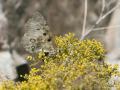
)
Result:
{"points": [[102, 21]]}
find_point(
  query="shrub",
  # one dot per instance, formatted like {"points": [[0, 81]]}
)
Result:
{"points": [[77, 65]]}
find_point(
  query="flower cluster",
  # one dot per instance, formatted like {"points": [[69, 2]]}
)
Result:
{"points": [[77, 65]]}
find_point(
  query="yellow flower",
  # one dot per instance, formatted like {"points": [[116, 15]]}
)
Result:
{"points": [[29, 58]]}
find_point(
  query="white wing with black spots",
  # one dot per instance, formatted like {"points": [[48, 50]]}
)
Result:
{"points": [[37, 35]]}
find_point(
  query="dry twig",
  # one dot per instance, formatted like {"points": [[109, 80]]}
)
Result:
{"points": [[99, 20], [85, 17]]}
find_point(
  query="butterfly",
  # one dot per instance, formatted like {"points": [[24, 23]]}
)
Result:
{"points": [[37, 36]]}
